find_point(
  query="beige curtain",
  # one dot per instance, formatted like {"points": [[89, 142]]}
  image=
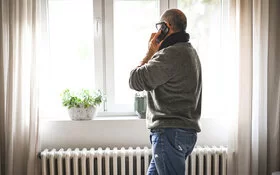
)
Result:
{"points": [[20, 38], [255, 135]]}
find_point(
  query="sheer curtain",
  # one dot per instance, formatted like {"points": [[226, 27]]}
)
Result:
{"points": [[254, 138], [20, 49]]}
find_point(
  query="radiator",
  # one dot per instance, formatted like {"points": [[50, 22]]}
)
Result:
{"points": [[202, 161]]}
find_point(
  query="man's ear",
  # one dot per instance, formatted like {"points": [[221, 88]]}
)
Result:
{"points": [[168, 25], [170, 29]]}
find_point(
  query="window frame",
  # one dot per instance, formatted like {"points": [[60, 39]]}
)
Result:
{"points": [[109, 58], [108, 20], [99, 50]]}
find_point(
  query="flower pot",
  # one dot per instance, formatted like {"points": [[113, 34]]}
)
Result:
{"points": [[140, 104], [82, 113]]}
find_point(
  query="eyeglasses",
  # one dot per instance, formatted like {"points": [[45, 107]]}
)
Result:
{"points": [[158, 25]]}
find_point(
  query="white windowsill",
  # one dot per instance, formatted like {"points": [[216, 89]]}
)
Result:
{"points": [[112, 116], [97, 118]]}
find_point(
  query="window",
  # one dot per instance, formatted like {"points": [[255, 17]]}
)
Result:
{"points": [[133, 22], [71, 62], [96, 43], [207, 26]]}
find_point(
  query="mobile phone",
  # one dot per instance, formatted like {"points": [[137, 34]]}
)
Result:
{"points": [[164, 31]]}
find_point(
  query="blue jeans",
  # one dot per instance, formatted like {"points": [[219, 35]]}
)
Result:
{"points": [[170, 148]]}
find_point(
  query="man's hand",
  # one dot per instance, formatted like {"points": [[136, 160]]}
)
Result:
{"points": [[152, 47]]}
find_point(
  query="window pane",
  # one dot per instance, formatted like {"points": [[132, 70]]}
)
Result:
{"points": [[71, 63], [205, 26], [134, 21]]}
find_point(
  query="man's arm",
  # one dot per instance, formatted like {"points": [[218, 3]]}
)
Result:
{"points": [[156, 72], [152, 48], [139, 76]]}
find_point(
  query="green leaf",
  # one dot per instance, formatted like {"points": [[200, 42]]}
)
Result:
{"points": [[82, 98]]}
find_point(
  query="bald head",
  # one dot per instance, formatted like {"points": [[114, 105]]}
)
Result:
{"points": [[176, 18]]}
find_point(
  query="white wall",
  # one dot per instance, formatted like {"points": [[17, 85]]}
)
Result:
{"points": [[116, 132]]}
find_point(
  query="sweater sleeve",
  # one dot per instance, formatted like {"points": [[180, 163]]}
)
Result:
{"points": [[152, 74]]}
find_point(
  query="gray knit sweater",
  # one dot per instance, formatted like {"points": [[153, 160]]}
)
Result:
{"points": [[173, 80]]}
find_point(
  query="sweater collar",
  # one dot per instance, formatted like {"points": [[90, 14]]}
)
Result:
{"points": [[175, 38]]}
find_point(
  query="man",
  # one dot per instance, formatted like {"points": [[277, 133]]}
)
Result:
{"points": [[171, 74]]}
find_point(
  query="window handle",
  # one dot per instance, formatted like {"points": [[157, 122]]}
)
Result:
{"points": [[105, 103], [98, 21]]}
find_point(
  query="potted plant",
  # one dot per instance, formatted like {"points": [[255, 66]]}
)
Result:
{"points": [[82, 105]]}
